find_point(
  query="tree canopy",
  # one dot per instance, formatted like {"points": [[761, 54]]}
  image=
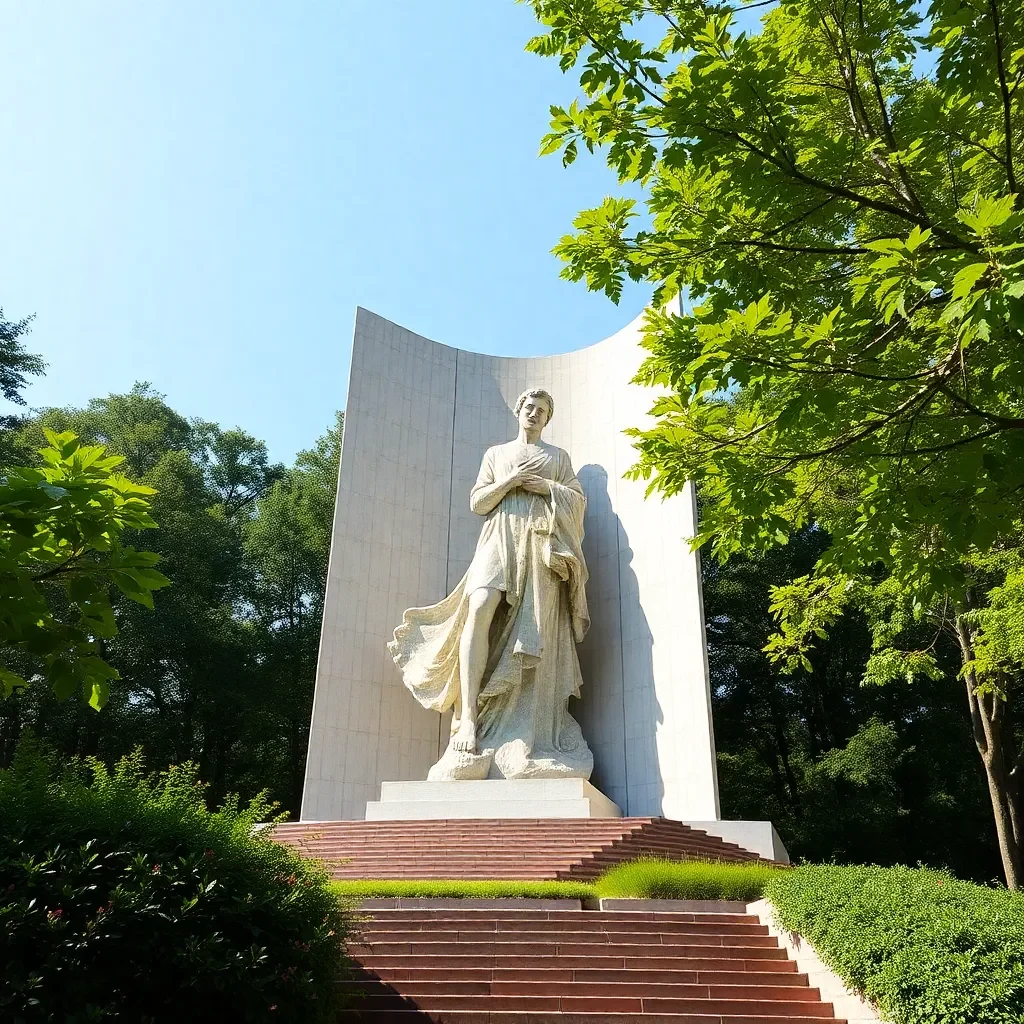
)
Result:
{"points": [[835, 192]]}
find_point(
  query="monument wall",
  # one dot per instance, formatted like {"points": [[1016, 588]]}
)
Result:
{"points": [[418, 419]]}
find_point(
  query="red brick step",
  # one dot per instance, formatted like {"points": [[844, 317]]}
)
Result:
{"points": [[570, 848], [500, 966]]}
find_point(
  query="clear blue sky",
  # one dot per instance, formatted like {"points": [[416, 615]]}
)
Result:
{"points": [[199, 195]]}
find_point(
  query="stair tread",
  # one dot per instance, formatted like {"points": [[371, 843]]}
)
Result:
{"points": [[514, 848], [500, 966]]}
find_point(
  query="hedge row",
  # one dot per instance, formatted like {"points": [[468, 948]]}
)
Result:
{"points": [[122, 898], [923, 946]]}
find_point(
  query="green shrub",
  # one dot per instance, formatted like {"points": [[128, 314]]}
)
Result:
{"points": [[927, 948], [438, 888], [122, 898], [651, 878]]}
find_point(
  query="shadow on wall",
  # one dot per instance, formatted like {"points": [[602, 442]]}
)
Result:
{"points": [[620, 712]]}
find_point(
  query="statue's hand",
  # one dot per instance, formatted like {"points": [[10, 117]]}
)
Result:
{"points": [[529, 464], [519, 474], [535, 484]]}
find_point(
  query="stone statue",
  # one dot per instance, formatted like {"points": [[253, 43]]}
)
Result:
{"points": [[500, 650]]}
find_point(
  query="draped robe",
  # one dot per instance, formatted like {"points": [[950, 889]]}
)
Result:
{"points": [[529, 548]]}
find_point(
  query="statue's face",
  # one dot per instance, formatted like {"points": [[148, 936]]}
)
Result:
{"points": [[534, 413]]}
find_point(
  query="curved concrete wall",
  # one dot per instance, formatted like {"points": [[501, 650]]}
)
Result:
{"points": [[418, 419]]}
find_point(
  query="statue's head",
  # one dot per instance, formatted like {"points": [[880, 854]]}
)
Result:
{"points": [[534, 408]]}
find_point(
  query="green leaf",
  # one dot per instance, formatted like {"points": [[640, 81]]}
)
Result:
{"points": [[83, 588], [98, 691], [988, 213], [10, 681], [63, 678], [967, 278]]}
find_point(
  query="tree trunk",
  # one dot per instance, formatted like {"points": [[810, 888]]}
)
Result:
{"points": [[987, 719], [782, 745]]}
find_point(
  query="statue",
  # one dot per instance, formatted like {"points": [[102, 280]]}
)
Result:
{"points": [[500, 650]]}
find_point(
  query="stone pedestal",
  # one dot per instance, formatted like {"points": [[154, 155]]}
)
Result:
{"points": [[491, 798], [759, 837]]}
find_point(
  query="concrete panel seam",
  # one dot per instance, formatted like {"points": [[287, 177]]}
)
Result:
{"points": [[448, 544]]}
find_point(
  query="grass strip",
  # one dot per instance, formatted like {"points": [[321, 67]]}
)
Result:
{"points": [[925, 947], [655, 879], [646, 878], [454, 888]]}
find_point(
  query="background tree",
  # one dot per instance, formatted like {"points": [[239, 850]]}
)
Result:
{"points": [[848, 772], [206, 678], [849, 232], [16, 364], [286, 550]]}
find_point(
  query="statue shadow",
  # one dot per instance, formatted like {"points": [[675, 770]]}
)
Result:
{"points": [[619, 709]]}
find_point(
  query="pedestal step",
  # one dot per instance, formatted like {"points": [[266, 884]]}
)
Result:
{"points": [[550, 848], [491, 798]]}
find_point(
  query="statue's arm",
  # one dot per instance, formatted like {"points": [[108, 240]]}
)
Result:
{"points": [[567, 475], [488, 492]]}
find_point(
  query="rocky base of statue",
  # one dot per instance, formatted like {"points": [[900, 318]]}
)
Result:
{"points": [[513, 760], [502, 753]]}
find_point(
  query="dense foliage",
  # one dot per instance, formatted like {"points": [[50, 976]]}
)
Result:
{"points": [[860, 774], [123, 897], [836, 189], [926, 948], [654, 879], [222, 672], [61, 553], [65, 511]]}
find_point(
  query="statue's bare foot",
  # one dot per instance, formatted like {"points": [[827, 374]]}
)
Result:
{"points": [[465, 738]]}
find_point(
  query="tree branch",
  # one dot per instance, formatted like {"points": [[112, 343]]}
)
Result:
{"points": [[1011, 178], [840, 191], [63, 567], [1008, 422]]}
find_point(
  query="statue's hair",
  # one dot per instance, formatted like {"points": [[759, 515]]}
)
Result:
{"points": [[535, 393]]}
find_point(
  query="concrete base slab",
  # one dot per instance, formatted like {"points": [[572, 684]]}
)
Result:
{"points": [[667, 906], [491, 798], [759, 837]]}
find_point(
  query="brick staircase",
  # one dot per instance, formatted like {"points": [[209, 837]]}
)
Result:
{"points": [[527, 848], [537, 966]]}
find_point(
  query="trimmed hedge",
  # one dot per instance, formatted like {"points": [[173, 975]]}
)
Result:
{"points": [[652, 878], [923, 946], [123, 898], [443, 888]]}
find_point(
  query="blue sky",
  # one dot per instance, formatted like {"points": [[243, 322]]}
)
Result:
{"points": [[199, 195]]}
